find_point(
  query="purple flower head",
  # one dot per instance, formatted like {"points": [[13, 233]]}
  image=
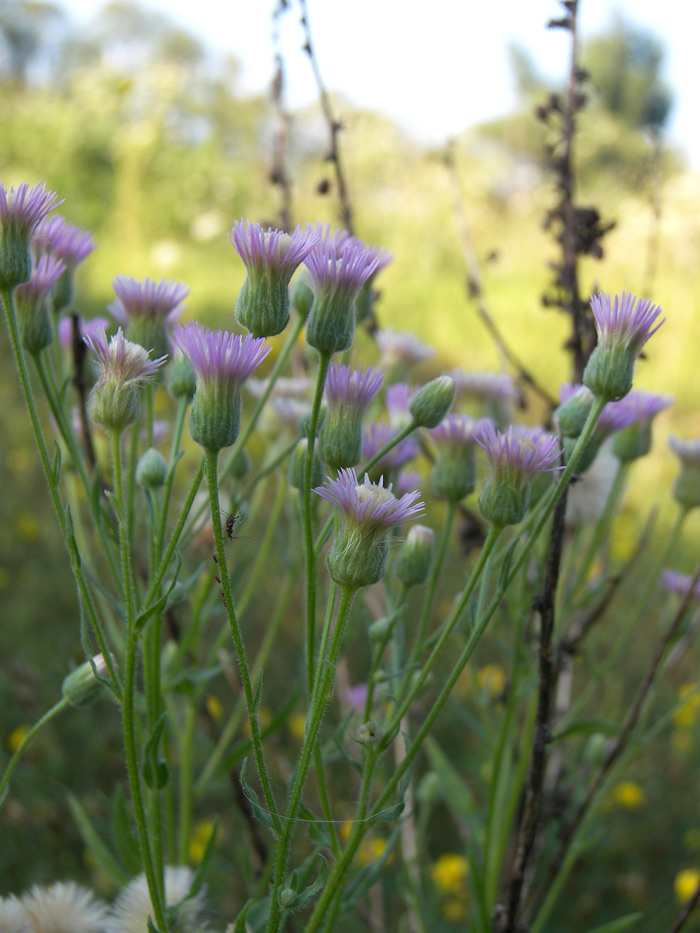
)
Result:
{"points": [[401, 349], [458, 431], [45, 274], [222, 362], [267, 250], [398, 399], [520, 452], [614, 417], [124, 368], [20, 213], [271, 258], [646, 405], [120, 360], [515, 457], [219, 357], [619, 322], [148, 310], [336, 277], [348, 392], [678, 583], [356, 697], [378, 435], [352, 388], [408, 480], [367, 504], [33, 304], [624, 325], [635, 439], [284, 387], [56, 236]]}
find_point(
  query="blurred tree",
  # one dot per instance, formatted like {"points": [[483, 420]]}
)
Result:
{"points": [[30, 31], [625, 64]]}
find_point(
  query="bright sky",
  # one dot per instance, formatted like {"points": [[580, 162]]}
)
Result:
{"points": [[434, 66]]}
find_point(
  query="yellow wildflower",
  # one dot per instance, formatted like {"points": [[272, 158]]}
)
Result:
{"points": [[685, 883], [491, 679], [214, 707], [27, 527], [297, 725], [628, 795], [686, 714], [16, 737], [201, 834], [455, 909], [449, 873], [370, 850]]}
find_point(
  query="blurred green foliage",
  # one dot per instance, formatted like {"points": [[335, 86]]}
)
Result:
{"points": [[157, 152]]}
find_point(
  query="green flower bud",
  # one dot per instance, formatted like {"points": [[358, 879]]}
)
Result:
{"points": [[588, 454], [151, 470], [263, 305], [340, 441], [571, 415], [241, 465], [302, 296], [609, 372], [633, 442], [82, 686], [503, 503], [431, 403], [215, 417], [356, 558], [413, 561], [454, 474], [370, 734], [181, 380]]}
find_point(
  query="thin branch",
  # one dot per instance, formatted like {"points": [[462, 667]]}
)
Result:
{"points": [[475, 290], [542, 736], [334, 125], [569, 832], [279, 170], [79, 353]]}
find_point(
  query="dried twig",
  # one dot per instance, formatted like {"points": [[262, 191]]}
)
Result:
{"points": [[79, 353], [578, 230], [279, 171], [334, 125], [569, 832], [508, 923], [475, 290]]}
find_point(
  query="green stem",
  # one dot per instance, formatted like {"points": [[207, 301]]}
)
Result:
{"points": [[307, 522], [63, 519], [435, 573], [170, 478], [26, 742], [211, 474], [185, 827], [154, 879], [282, 357], [320, 697]]}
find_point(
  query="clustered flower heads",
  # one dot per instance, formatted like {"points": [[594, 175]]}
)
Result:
{"points": [[515, 458], [124, 368], [634, 440], [148, 310], [21, 212], [64, 907], [369, 510], [222, 362], [401, 349], [624, 324], [56, 237], [348, 392], [271, 258]]}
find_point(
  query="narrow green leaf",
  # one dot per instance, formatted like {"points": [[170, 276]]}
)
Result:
{"points": [[123, 833], [260, 812], [155, 769], [588, 727], [97, 847], [240, 925], [619, 925]]}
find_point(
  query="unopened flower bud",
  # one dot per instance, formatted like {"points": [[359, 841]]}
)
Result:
{"points": [[370, 734], [151, 470], [287, 897], [431, 403], [413, 561], [181, 380], [686, 489], [379, 628], [82, 685], [302, 296], [241, 465], [572, 413], [596, 749]]}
